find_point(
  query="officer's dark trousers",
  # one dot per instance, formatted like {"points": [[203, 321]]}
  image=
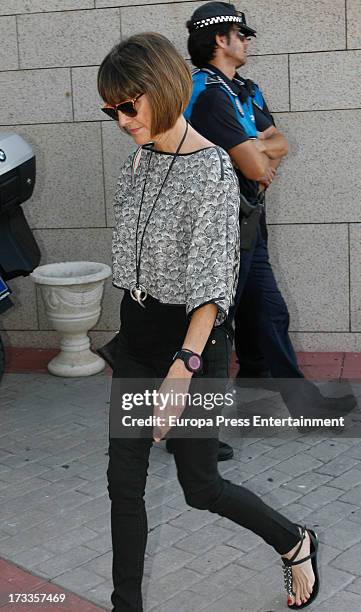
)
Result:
{"points": [[149, 338], [262, 318], [262, 341], [261, 310]]}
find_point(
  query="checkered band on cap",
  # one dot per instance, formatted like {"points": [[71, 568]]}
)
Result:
{"points": [[196, 25]]}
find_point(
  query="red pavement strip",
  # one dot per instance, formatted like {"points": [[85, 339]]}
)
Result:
{"points": [[25, 360], [319, 366], [14, 580], [323, 366]]}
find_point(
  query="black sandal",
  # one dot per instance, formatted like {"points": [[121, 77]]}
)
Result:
{"points": [[287, 569]]}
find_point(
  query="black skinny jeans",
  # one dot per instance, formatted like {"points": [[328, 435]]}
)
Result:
{"points": [[149, 339]]}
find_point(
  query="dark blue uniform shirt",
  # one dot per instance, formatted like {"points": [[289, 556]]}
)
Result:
{"points": [[214, 117]]}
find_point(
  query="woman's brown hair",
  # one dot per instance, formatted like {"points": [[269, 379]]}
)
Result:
{"points": [[147, 63]]}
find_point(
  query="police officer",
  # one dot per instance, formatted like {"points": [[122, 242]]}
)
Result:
{"points": [[231, 112]]}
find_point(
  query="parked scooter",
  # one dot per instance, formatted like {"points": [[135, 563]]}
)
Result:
{"points": [[19, 252]]}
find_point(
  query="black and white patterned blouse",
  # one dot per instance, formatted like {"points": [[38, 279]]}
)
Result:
{"points": [[190, 250]]}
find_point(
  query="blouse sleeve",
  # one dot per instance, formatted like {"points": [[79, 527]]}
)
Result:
{"points": [[213, 258], [123, 184]]}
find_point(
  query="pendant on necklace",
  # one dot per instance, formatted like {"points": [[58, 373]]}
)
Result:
{"points": [[139, 294]]}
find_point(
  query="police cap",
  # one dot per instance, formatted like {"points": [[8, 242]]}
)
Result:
{"points": [[212, 13]]}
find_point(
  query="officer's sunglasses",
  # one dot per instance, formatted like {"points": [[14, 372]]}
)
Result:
{"points": [[127, 108], [242, 36]]}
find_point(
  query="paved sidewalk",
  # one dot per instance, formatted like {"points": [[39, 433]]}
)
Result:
{"points": [[54, 508]]}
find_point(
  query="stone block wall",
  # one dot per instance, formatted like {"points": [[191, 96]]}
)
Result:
{"points": [[307, 60]]}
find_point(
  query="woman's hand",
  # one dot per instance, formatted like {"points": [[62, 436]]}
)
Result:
{"points": [[176, 382]]}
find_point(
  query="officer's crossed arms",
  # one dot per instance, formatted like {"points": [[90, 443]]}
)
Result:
{"points": [[276, 147], [258, 159]]}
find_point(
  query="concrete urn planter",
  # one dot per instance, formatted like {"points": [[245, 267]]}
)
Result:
{"points": [[72, 293]]}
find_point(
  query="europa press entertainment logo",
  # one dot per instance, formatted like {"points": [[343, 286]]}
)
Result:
{"points": [[2, 156]]}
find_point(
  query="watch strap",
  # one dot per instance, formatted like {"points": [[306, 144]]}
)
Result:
{"points": [[192, 361]]}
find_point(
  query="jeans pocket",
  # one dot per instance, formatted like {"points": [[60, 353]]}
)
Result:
{"points": [[216, 354]]}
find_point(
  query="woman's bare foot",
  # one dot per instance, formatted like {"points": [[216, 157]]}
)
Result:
{"points": [[302, 574]]}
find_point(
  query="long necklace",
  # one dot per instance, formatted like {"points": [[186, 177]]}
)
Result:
{"points": [[139, 292]]}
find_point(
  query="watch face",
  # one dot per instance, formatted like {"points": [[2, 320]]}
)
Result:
{"points": [[194, 362]]}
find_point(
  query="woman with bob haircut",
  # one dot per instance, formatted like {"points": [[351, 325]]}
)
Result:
{"points": [[175, 253]]}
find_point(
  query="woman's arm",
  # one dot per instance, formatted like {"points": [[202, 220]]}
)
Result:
{"points": [[178, 378], [200, 327], [213, 254]]}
